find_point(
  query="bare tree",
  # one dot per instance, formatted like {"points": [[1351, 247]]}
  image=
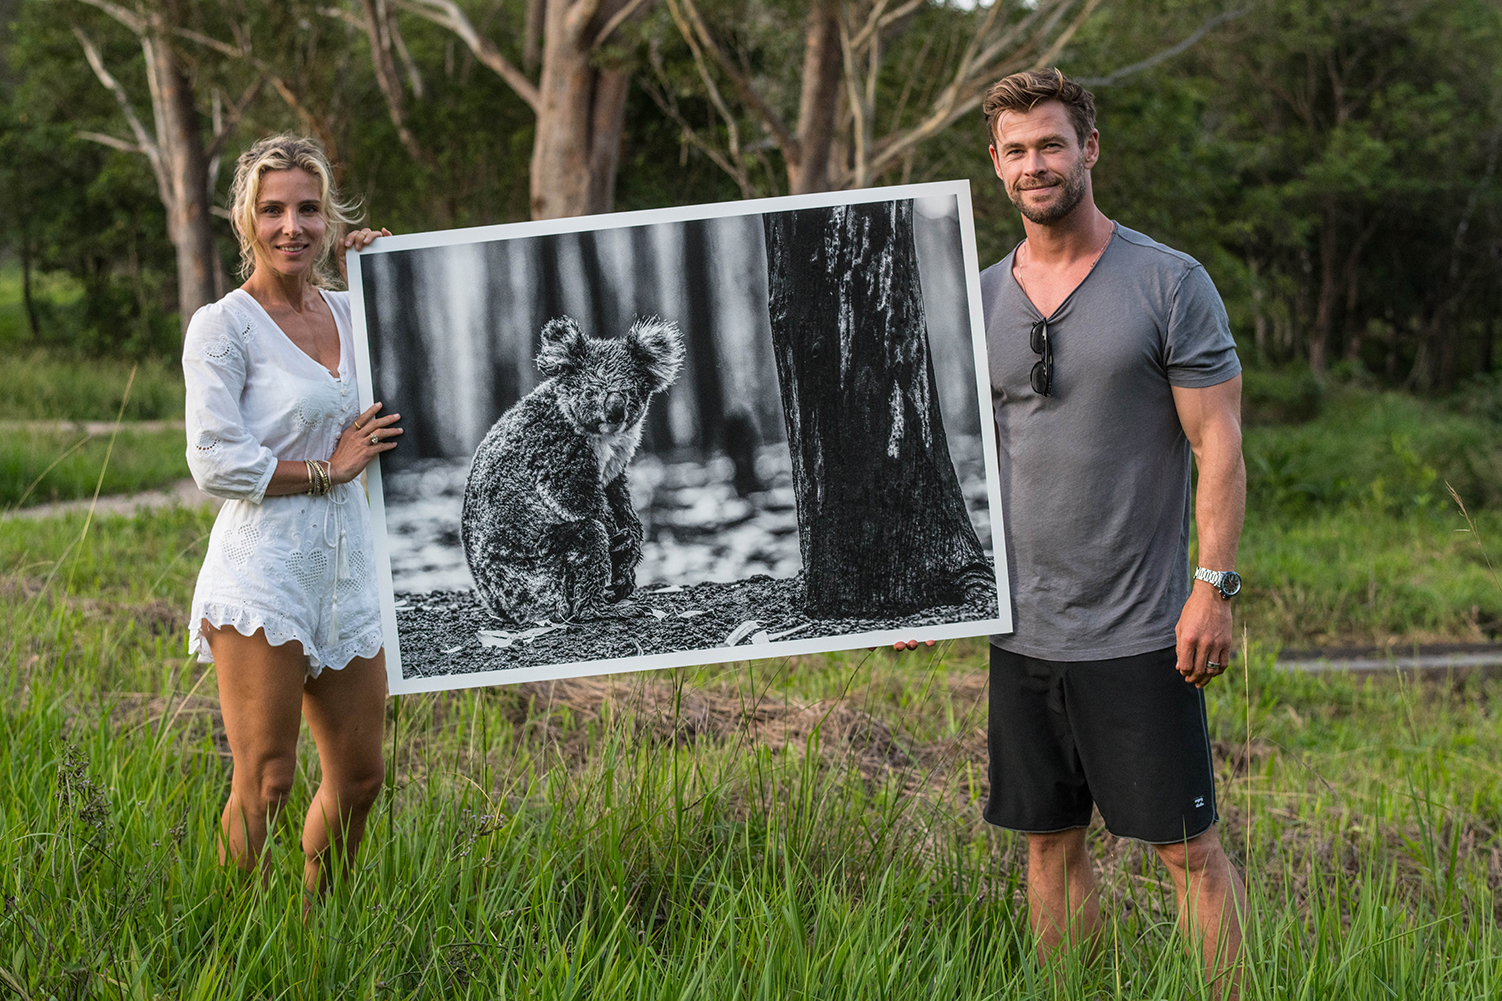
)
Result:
{"points": [[377, 20], [580, 104], [841, 137], [184, 165]]}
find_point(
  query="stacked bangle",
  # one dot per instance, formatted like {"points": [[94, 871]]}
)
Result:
{"points": [[320, 481]]}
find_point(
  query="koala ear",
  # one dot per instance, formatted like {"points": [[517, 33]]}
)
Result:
{"points": [[658, 346], [563, 348]]}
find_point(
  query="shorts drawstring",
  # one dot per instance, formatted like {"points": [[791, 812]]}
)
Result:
{"points": [[339, 542]]}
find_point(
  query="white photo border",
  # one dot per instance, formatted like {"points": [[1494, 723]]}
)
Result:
{"points": [[960, 190]]}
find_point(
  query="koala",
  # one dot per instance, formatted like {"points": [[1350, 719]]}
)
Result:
{"points": [[548, 527]]}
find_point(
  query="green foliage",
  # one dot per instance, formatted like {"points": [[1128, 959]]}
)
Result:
{"points": [[1380, 452], [74, 208], [40, 466], [40, 385], [1357, 577]]}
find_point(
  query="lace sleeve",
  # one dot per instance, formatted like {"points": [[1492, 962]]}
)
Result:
{"points": [[225, 459]]}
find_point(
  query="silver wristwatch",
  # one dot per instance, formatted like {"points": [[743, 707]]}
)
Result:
{"points": [[1227, 582]]}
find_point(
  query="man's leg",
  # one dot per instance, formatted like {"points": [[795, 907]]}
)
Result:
{"points": [[1063, 904], [1211, 900]]}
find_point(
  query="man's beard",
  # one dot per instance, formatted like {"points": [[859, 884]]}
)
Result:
{"points": [[1072, 191]]}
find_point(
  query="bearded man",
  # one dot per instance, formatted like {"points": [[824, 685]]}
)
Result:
{"points": [[1111, 361]]}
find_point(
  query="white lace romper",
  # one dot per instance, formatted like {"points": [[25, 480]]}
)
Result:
{"points": [[297, 566]]}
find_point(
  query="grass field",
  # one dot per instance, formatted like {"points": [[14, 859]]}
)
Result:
{"points": [[801, 828], [38, 466]]}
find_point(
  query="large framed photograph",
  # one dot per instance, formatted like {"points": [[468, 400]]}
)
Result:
{"points": [[684, 436]]}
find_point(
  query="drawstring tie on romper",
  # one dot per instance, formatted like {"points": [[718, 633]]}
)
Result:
{"points": [[338, 541]]}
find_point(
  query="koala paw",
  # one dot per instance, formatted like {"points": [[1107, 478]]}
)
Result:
{"points": [[615, 610]]}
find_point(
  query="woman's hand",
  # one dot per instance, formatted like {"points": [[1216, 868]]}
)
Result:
{"points": [[361, 442], [358, 240]]}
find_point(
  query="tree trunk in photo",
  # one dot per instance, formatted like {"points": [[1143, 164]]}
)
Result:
{"points": [[581, 113], [881, 521], [199, 270]]}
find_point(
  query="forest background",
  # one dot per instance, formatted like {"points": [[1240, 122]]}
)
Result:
{"points": [[807, 826], [1334, 165]]}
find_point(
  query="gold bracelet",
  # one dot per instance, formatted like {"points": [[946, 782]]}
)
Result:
{"points": [[324, 475], [309, 467]]}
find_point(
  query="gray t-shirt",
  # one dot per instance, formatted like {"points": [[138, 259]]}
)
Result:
{"points": [[1095, 478]]}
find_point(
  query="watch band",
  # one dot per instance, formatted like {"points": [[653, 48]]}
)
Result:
{"points": [[1227, 582]]}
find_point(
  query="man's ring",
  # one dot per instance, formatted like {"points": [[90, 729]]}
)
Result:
{"points": [[374, 440], [1211, 663]]}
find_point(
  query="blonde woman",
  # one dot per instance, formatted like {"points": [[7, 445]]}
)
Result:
{"points": [[285, 605]]}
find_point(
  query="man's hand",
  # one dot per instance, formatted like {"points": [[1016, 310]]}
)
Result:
{"points": [[1211, 418], [1204, 635]]}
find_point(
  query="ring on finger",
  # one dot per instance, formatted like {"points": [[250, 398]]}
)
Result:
{"points": [[375, 439], [1211, 663]]}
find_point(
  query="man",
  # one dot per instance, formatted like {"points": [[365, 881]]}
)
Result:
{"points": [[1111, 360]]}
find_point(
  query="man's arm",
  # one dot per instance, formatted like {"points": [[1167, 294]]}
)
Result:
{"points": [[1211, 418]]}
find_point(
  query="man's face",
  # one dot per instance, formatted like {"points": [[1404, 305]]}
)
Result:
{"points": [[1041, 163]]}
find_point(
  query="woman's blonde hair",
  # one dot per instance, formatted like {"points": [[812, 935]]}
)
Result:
{"points": [[288, 153]]}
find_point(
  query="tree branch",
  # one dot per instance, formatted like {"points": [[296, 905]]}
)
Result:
{"points": [[714, 94], [743, 87], [123, 145], [222, 132], [144, 142], [1117, 75], [447, 14], [616, 20], [135, 22]]}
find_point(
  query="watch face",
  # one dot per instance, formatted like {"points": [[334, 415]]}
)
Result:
{"points": [[1230, 583]]}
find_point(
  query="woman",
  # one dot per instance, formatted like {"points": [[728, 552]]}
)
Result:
{"points": [[286, 603]]}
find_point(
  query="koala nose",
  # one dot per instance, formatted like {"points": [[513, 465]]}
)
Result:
{"points": [[615, 407]]}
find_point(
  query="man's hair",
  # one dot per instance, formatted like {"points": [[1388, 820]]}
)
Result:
{"points": [[1026, 90], [287, 152]]}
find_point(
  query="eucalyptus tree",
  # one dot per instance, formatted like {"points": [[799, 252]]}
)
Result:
{"points": [[847, 92], [184, 157], [578, 96]]}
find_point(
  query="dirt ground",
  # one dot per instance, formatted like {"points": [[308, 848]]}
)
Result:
{"points": [[448, 632]]}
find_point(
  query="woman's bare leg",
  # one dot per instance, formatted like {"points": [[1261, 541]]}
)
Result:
{"points": [[346, 711], [260, 695]]}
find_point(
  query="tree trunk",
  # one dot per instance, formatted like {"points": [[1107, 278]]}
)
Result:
{"points": [[881, 521], [580, 116], [27, 298], [823, 63], [1329, 288], [199, 270]]}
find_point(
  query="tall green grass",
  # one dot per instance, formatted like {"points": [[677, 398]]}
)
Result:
{"points": [[45, 385], [39, 466], [806, 828], [1384, 453]]}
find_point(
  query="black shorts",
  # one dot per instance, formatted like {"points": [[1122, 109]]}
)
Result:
{"points": [[1127, 735]]}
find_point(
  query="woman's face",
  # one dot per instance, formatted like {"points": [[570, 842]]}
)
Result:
{"points": [[290, 227]]}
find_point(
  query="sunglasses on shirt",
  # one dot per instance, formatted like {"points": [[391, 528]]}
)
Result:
{"points": [[1042, 374]]}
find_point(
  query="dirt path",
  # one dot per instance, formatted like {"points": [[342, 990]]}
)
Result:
{"points": [[183, 493], [90, 427]]}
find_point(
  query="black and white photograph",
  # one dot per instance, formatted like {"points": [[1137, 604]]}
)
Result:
{"points": [[655, 439]]}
